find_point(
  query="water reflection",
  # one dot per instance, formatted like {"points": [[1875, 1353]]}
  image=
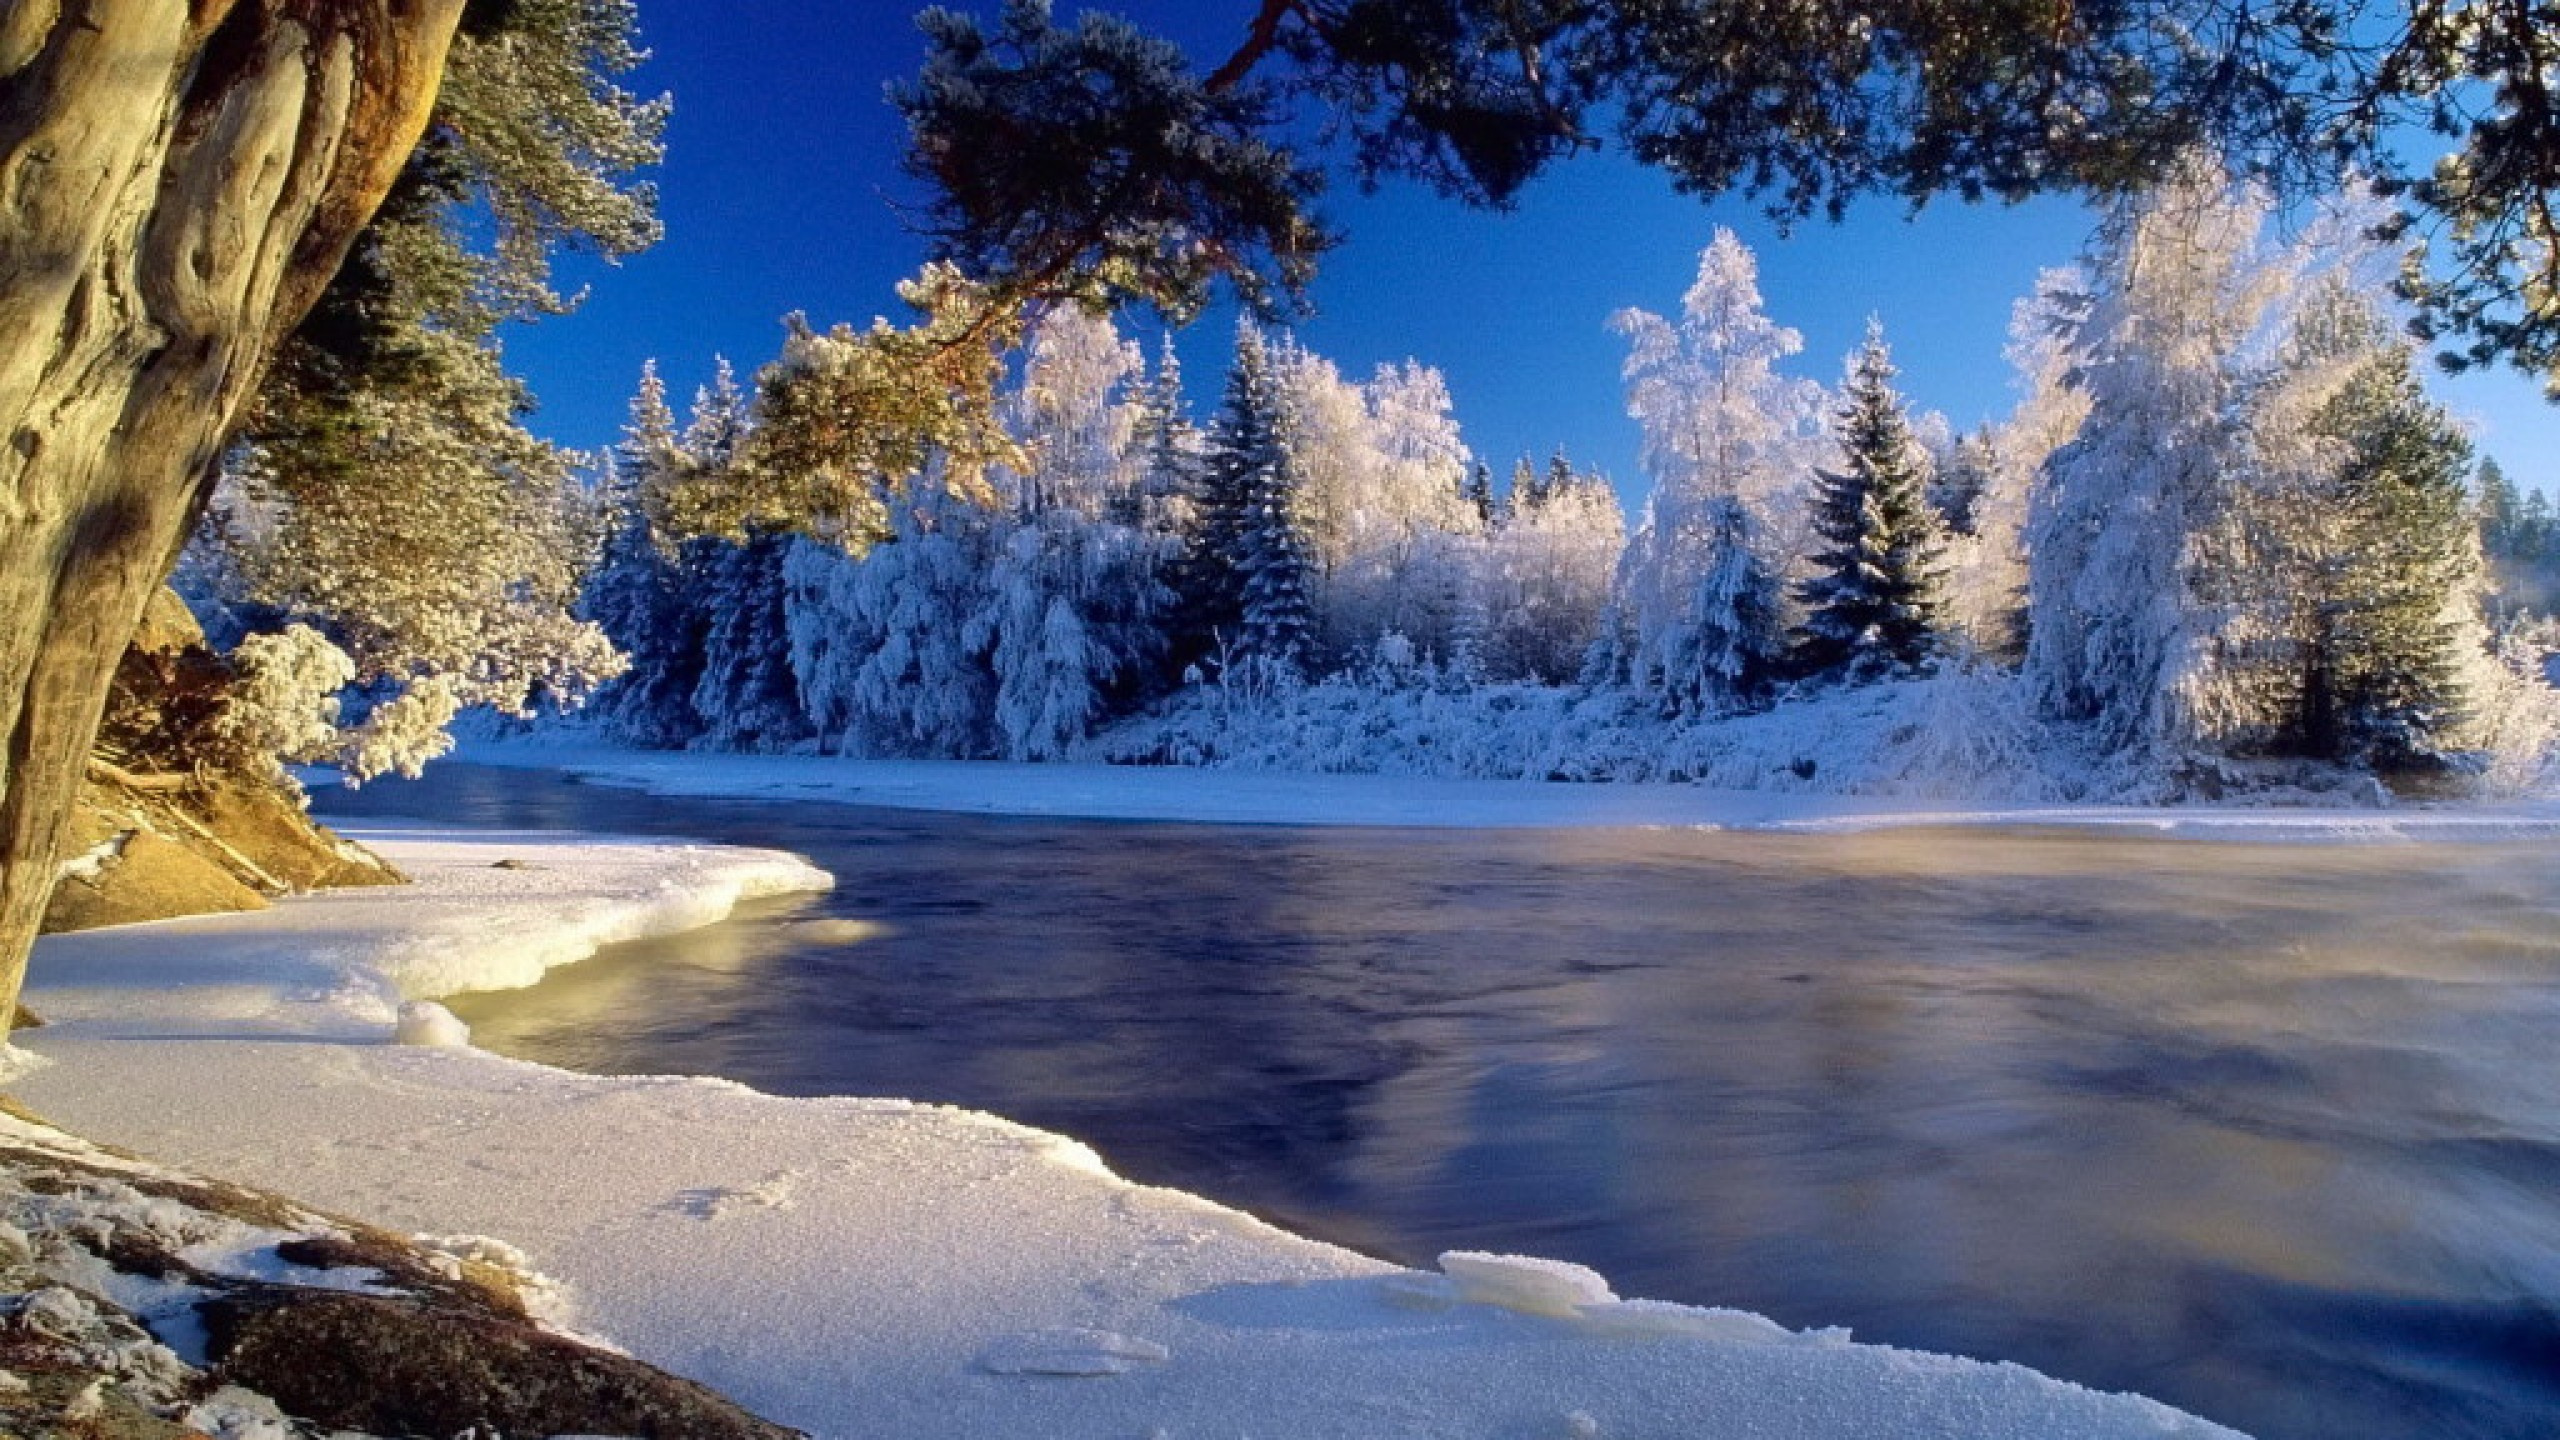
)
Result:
{"points": [[2265, 1131]]}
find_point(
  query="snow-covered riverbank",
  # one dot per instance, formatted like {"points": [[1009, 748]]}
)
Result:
{"points": [[866, 1267], [1259, 797]]}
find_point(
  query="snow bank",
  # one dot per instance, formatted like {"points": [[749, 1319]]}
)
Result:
{"points": [[874, 1267], [1264, 797]]}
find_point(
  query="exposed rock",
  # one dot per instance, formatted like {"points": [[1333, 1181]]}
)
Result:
{"points": [[395, 1366], [441, 1344], [158, 831]]}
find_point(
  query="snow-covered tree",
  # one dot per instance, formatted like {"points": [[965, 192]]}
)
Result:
{"points": [[1079, 597], [2368, 566], [2133, 552], [1009, 619], [457, 557], [1986, 586], [1731, 653], [1244, 582], [891, 648], [639, 592], [1276, 624], [746, 696], [1546, 571], [1871, 603], [1410, 554], [1721, 424]]}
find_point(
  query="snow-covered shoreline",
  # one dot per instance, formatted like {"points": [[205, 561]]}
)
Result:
{"points": [[1262, 797], [865, 1267]]}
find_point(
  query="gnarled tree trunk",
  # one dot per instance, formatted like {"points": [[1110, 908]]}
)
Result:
{"points": [[179, 179]]}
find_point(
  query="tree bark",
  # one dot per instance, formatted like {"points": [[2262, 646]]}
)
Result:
{"points": [[179, 179]]}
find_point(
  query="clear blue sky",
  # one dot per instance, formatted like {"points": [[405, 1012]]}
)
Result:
{"points": [[780, 189]]}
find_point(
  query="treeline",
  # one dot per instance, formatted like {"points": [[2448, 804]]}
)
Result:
{"points": [[1314, 523], [2223, 523]]}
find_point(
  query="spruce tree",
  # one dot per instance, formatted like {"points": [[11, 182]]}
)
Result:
{"points": [[1242, 453], [1277, 621], [2410, 571], [1477, 491], [1736, 646], [1872, 601], [638, 594]]}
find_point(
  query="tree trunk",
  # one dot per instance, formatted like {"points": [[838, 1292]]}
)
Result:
{"points": [[179, 179]]}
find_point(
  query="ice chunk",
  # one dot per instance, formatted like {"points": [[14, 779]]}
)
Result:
{"points": [[424, 1022], [1525, 1283], [1646, 1318], [1070, 1352]]}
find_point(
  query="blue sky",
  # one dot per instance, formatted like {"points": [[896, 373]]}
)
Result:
{"points": [[781, 183]]}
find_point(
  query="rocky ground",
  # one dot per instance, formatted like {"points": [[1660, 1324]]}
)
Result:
{"points": [[141, 1303]]}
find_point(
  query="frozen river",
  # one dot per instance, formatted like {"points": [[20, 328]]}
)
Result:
{"points": [[2269, 1132]]}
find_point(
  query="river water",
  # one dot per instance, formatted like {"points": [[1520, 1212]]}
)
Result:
{"points": [[2269, 1132]]}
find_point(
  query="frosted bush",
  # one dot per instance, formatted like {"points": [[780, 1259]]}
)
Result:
{"points": [[2514, 724]]}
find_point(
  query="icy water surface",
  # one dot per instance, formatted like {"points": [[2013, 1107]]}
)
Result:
{"points": [[2268, 1132]]}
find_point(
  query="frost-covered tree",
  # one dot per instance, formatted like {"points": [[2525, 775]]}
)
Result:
{"points": [[1721, 424], [746, 696], [425, 530], [1732, 654], [2136, 563], [1871, 601], [1546, 573], [1079, 596], [1406, 557], [1242, 451], [639, 593], [1275, 629], [1986, 557], [891, 648], [1010, 618]]}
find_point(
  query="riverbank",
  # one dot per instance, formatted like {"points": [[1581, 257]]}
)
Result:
{"points": [[1256, 797], [874, 1267]]}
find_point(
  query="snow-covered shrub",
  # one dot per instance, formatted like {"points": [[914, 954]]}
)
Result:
{"points": [[2513, 725]]}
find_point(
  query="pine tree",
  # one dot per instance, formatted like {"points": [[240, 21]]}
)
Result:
{"points": [[1277, 620], [1243, 443], [639, 591], [1478, 493], [1871, 605], [747, 696], [2406, 611], [1560, 476], [1732, 655], [1956, 488]]}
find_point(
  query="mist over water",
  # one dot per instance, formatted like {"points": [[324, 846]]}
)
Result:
{"points": [[2269, 1132]]}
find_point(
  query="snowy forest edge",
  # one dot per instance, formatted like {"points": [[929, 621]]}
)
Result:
{"points": [[2223, 545]]}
